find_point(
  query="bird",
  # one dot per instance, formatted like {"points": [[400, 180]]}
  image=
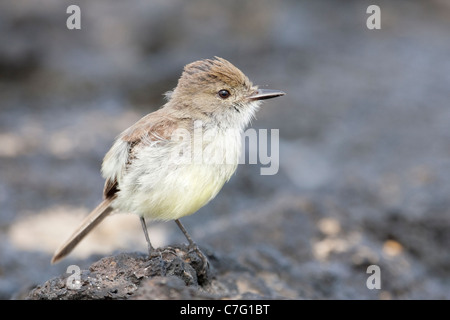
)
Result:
{"points": [[175, 160]]}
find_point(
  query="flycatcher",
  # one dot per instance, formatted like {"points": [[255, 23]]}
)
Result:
{"points": [[161, 168]]}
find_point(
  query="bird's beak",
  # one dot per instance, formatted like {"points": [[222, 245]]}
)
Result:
{"points": [[263, 94]]}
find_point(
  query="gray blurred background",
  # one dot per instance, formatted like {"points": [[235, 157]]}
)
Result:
{"points": [[364, 157]]}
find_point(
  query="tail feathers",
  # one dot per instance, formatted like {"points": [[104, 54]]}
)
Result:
{"points": [[90, 222]]}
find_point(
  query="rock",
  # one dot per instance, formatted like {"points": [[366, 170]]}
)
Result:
{"points": [[175, 272]]}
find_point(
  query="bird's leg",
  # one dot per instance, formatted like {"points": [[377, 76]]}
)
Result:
{"points": [[151, 250], [194, 246]]}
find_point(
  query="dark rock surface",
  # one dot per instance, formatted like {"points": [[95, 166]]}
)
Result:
{"points": [[175, 272]]}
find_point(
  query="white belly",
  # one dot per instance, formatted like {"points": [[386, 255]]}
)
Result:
{"points": [[158, 187]]}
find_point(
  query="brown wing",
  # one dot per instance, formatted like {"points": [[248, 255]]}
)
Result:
{"points": [[156, 126], [110, 188]]}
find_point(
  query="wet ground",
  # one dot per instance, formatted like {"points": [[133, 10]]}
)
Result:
{"points": [[364, 139]]}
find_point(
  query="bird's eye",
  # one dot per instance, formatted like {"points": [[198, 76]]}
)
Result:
{"points": [[224, 93]]}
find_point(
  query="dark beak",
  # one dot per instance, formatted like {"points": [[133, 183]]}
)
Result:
{"points": [[263, 94]]}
